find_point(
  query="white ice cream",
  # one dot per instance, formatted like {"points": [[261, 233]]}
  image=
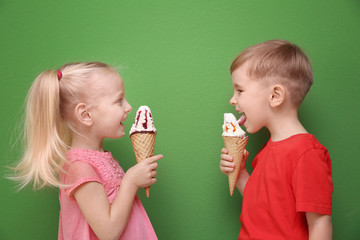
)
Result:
{"points": [[143, 121], [231, 127]]}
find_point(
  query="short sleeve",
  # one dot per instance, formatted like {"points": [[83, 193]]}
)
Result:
{"points": [[79, 173], [312, 182]]}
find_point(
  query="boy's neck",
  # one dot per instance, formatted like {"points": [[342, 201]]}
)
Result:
{"points": [[284, 126]]}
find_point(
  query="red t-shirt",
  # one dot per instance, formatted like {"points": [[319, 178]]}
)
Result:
{"points": [[290, 177]]}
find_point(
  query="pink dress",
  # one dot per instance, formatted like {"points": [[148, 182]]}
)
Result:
{"points": [[93, 166]]}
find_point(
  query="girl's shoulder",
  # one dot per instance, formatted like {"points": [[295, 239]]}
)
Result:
{"points": [[87, 155]]}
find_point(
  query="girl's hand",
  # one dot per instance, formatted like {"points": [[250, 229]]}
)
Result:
{"points": [[143, 174], [226, 161]]}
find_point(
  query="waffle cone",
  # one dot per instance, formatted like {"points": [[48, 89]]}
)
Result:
{"points": [[143, 145], [235, 146]]}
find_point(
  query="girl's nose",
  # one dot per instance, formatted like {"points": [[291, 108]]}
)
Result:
{"points": [[128, 107]]}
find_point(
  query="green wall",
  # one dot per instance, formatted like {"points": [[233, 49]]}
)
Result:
{"points": [[175, 57]]}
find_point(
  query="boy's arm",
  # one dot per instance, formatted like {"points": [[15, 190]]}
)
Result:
{"points": [[320, 226], [242, 180]]}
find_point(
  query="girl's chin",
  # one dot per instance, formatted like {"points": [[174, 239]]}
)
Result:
{"points": [[121, 131], [122, 127]]}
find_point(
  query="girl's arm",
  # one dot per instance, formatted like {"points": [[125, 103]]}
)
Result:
{"points": [[226, 166], [320, 226], [109, 221]]}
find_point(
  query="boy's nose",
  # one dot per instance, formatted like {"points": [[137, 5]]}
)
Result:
{"points": [[232, 101]]}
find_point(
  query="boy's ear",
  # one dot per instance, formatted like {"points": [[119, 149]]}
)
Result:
{"points": [[278, 95], [83, 115]]}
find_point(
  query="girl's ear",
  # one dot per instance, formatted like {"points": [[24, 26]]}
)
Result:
{"points": [[278, 95], [83, 115]]}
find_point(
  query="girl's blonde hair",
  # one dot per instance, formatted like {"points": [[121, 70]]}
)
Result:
{"points": [[281, 60], [49, 111]]}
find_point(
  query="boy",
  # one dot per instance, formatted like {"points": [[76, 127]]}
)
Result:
{"points": [[289, 193]]}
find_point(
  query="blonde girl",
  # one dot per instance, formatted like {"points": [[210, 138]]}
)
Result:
{"points": [[69, 113]]}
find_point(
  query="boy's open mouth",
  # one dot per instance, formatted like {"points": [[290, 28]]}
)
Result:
{"points": [[242, 119]]}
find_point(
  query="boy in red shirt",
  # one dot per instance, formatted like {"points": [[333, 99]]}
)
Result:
{"points": [[289, 193]]}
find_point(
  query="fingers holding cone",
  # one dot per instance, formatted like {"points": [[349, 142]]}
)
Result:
{"points": [[152, 161], [236, 148]]}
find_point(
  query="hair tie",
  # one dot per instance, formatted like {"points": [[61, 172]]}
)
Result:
{"points": [[59, 74]]}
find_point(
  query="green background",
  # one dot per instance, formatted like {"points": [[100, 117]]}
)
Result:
{"points": [[174, 56]]}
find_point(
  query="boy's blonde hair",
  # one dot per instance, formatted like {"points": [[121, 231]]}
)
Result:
{"points": [[49, 111], [278, 60]]}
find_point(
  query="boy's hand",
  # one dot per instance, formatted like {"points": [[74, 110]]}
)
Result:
{"points": [[226, 162], [143, 174], [227, 166]]}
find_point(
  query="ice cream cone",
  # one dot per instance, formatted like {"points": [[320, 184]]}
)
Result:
{"points": [[143, 144], [235, 146]]}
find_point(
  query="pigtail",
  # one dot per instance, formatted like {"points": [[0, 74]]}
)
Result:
{"points": [[49, 120], [44, 134]]}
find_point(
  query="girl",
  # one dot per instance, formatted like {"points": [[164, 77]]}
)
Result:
{"points": [[69, 114]]}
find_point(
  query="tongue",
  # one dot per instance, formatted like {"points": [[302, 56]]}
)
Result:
{"points": [[241, 120]]}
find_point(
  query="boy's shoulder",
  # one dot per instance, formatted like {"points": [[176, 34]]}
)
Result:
{"points": [[296, 145], [289, 152], [307, 149], [305, 139]]}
